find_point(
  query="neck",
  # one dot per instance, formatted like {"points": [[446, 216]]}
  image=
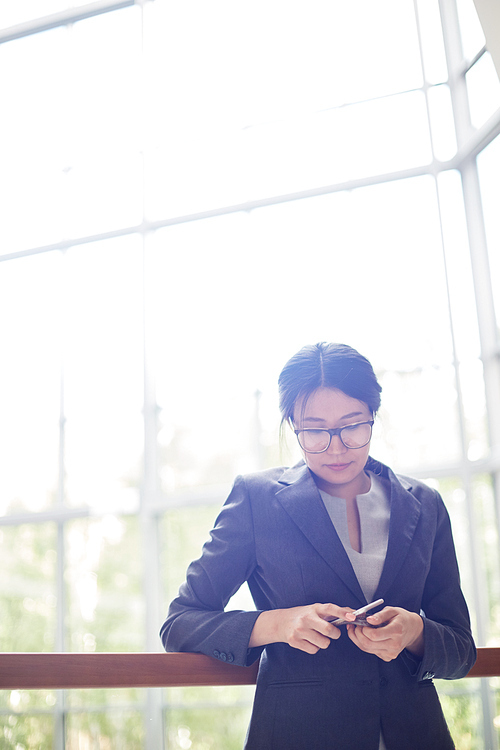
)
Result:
{"points": [[348, 491]]}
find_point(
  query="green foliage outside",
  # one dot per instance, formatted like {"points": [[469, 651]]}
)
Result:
{"points": [[461, 705], [104, 579], [28, 592], [24, 732], [206, 728], [105, 730], [183, 533]]}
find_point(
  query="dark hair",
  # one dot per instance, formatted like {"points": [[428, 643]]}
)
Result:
{"points": [[327, 366]]}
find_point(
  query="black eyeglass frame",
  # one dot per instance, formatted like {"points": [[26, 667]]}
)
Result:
{"points": [[336, 431]]}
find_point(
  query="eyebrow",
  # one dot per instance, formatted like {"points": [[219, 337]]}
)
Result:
{"points": [[346, 416]]}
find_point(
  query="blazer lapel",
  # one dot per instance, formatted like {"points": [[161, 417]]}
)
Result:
{"points": [[405, 512], [300, 498]]}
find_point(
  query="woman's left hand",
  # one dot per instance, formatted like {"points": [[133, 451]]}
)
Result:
{"points": [[397, 629]]}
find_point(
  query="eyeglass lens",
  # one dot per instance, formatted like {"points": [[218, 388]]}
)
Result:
{"points": [[316, 441]]}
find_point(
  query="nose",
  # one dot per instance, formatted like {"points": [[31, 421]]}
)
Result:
{"points": [[337, 446]]}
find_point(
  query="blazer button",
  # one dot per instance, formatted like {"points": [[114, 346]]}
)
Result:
{"points": [[217, 654], [223, 656], [230, 658], [384, 682]]}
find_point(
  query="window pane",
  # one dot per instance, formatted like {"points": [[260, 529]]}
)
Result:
{"points": [[32, 158], [30, 382], [461, 703], [484, 90], [103, 120], [101, 89], [104, 579], [338, 145], [429, 20], [79, 171], [444, 141], [27, 731], [470, 28], [28, 592], [26, 700], [110, 190], [306, 62], [183, 533], [455, 498], [489, 174], [474, 403], [464, 314], [419, 419], [472, 513], [91, 698], [123, 729], [458, 265], [103, 373], [487, 553], [211, 728]]}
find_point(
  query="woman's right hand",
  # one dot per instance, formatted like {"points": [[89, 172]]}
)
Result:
{"points": [[306, 628]]}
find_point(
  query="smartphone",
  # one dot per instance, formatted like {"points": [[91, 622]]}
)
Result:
{"points": [[360, 620]]}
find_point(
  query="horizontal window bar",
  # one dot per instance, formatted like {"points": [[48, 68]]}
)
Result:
{"points": [[71, 15]]}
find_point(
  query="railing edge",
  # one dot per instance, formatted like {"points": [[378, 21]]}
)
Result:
{"points": [[37, 671]]}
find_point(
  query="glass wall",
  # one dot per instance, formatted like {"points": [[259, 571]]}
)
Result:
{"points": [[190, 192]]}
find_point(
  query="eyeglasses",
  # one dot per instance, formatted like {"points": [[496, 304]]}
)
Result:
{"points": [[312, 440]]}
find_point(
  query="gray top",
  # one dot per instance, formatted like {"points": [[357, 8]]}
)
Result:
{"points": [[374, 515]]}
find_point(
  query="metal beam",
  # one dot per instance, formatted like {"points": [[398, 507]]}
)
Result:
{"points": [[71, 15]]}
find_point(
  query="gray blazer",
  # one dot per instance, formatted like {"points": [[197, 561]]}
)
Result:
{"points": [[275, 533]]}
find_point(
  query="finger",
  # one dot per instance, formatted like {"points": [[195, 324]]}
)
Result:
{"points": [[333, 612], [364, 638], [381, 642], [306, 646], [327, 628], [386, 635], [384, 616], [334, 632], [310, 641], [329, 612], [311, 627], [376, 641], [363, 644]]}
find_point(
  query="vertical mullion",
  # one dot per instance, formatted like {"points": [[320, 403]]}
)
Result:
{"points": [[456, 71], [154, 734], [482, 287], [491, 365], [59, 733], [480, 596], [149, 520]]}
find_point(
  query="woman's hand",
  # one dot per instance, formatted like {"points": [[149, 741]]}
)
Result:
{"points": [[397, 629], [306, 628]]}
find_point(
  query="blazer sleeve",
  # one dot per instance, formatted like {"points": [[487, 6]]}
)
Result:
{"points": [[196, 620], [449, 647]]}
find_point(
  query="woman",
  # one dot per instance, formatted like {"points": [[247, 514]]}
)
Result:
{"points": [[316, 542]]}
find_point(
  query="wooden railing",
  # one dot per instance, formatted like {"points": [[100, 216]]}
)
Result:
{"points": [[35, 671]]}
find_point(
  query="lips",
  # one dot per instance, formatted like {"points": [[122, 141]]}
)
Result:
{"points": [[337, 467]]}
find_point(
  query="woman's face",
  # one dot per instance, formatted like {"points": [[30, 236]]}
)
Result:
{"points": [[339, 470]]}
